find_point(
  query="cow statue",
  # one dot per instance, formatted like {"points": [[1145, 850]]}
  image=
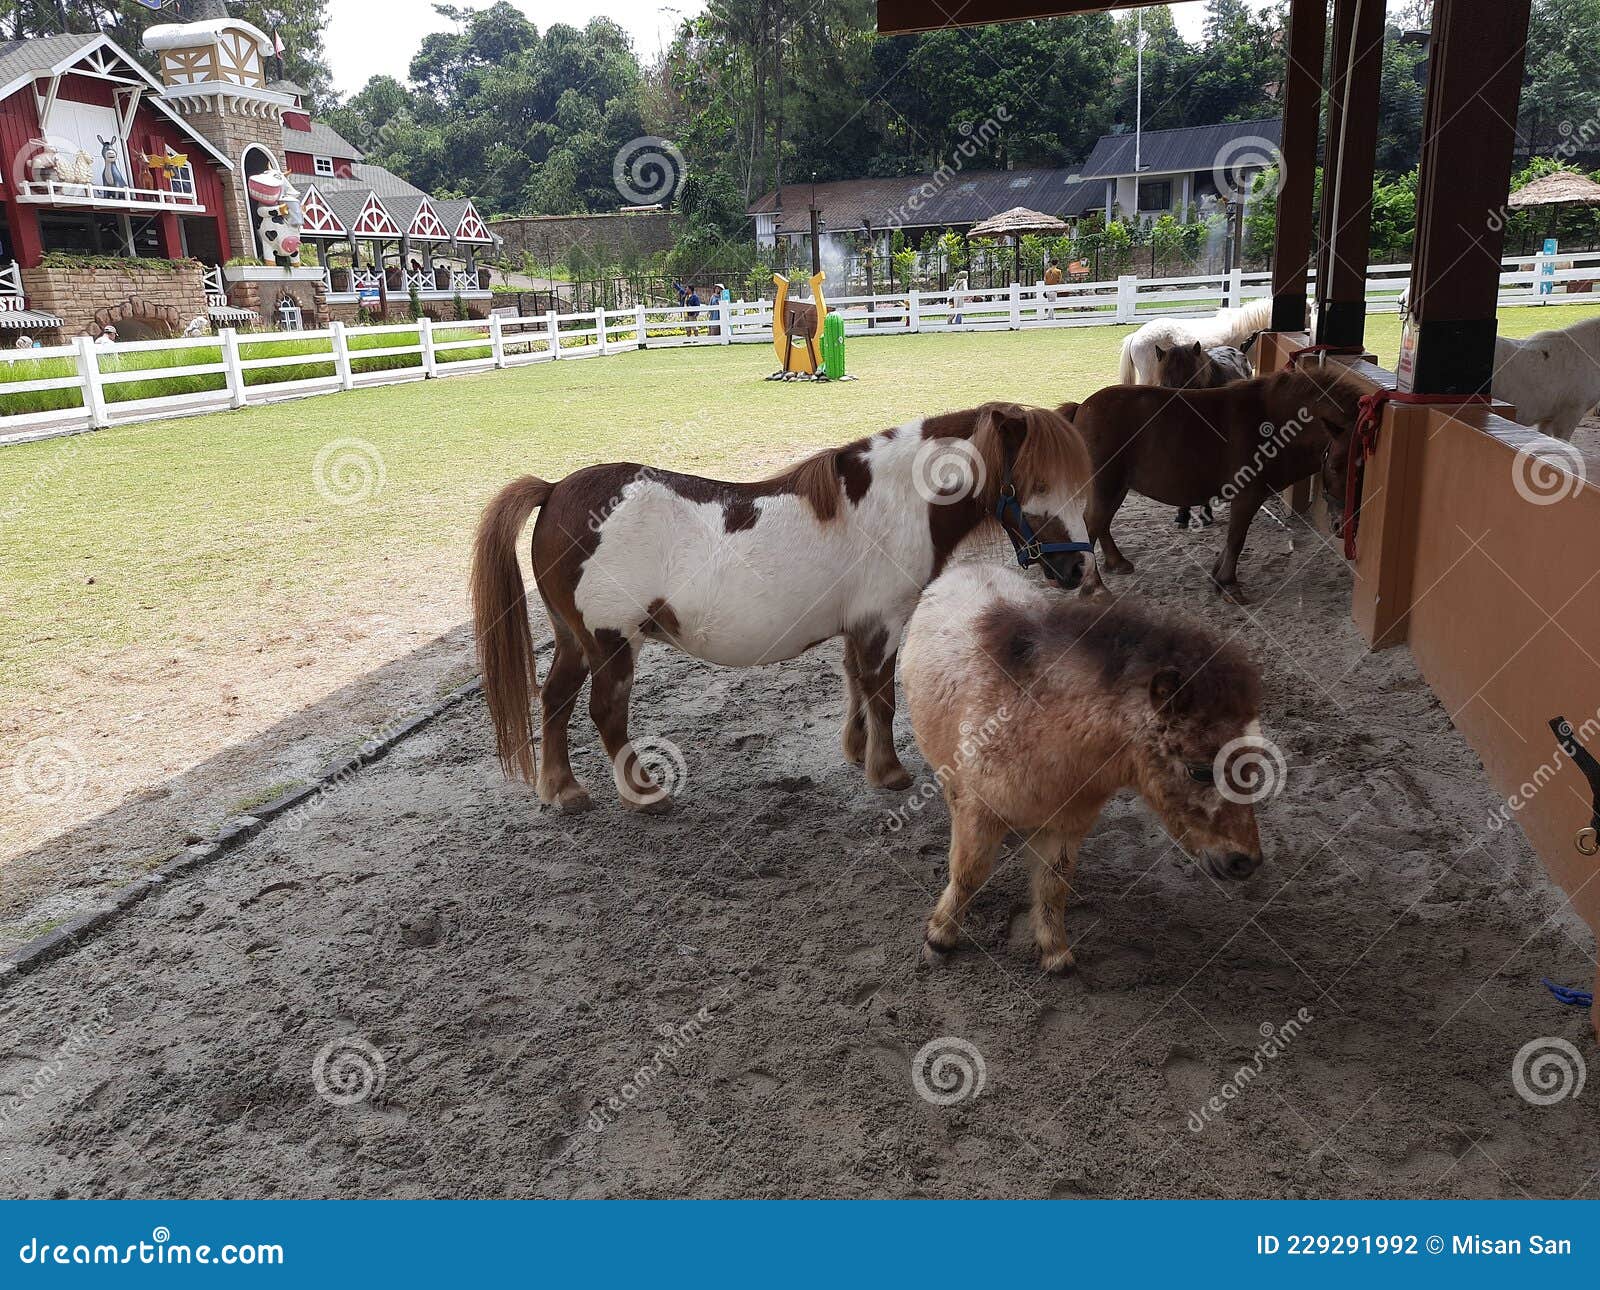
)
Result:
{"points": [[279, 217]]}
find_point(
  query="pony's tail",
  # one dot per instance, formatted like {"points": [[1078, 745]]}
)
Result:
{"points": [[500, 617], [1128, 375]]}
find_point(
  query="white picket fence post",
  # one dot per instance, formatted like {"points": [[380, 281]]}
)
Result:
{"points": [[1016, 306], [94, 393], [497, 339], [913, 312], [1127, 297], [341, 356], [554, 334], [725, 322], [640, 332], [600, 328], [430, 363], [1235, 288], [235, 368]]}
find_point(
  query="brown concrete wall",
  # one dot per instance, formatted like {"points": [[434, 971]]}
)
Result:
{"points": [[263, 298], [86, 297], [610, 237], [1476, 548]]}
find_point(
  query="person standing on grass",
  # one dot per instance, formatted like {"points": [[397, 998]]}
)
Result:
{"points": [[1052, 280], [958, 300], [692, 301]]}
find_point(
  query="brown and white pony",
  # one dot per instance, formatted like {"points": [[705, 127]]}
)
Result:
{"points": [[743, 574], [1037, 709]]}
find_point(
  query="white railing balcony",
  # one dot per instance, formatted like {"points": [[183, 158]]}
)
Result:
{"points": [[11, 297], [58, 192], [365, 278], [216, 292]]}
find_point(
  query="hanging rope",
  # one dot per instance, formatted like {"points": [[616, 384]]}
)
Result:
{"points": [[1364, 442]]}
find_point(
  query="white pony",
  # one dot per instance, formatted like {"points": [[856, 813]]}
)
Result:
{"points": [[1552, 377], [1225, 327]]}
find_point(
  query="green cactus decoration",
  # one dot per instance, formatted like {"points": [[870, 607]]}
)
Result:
{"points": [[833, 347]]}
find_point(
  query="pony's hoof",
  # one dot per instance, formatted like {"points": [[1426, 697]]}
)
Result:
{"points": [[898, 778], [660, 805], [569, 799], [1231, 592], [933, 956], [1117, 566], [1061, 963]]}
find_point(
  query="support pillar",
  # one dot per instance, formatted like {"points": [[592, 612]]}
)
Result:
{"points": [[1468, 134], [1347, 187], [1292, 244]]}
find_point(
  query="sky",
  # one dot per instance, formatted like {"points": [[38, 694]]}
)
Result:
{"points": [[366, 38]]}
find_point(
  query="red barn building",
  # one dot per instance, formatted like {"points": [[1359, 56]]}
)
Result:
{"points": [[139, 203]]}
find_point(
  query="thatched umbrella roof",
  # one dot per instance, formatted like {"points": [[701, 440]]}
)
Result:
{"points": [[1016, 222], [1561, 188]]}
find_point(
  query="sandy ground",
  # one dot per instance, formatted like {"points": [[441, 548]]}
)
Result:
{"points": [[727, 1001]]}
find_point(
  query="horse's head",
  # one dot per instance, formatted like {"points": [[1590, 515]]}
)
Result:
{"points": [[1203, 765], [1038, 458], [1182, 367]]}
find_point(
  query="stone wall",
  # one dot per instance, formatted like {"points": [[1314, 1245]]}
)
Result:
{"points": [[155, 302], [231, 131], [263, 299], [610, 238]]}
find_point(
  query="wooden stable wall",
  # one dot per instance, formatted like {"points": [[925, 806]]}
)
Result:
{"points": [[1484, 560]]}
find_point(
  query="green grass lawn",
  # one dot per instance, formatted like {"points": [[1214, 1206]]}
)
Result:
{"points": [[177, 522]]}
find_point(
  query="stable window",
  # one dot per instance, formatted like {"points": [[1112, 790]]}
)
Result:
{"points": [[323, 165], [182, 180], [1155, 195]]}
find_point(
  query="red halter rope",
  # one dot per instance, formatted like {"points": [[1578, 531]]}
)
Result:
{"points": [[1364, 442]]}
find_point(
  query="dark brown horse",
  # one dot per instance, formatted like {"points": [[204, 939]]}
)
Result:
{"points": [[1241, 443], [1190, 367]]}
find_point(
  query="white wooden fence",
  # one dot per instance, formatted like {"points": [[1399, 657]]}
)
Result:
{"points": [[238, 366]]}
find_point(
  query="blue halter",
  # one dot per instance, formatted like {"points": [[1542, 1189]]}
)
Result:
{"points": [[1024, 540]]}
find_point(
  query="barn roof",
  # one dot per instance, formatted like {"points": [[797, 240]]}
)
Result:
{"points": [[1162, 152], [321, 141]]}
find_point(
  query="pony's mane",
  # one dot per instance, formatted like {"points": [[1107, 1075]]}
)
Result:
{"points": [[1321, 383], [816, 481], [1128, 646], [1051, 453]]}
